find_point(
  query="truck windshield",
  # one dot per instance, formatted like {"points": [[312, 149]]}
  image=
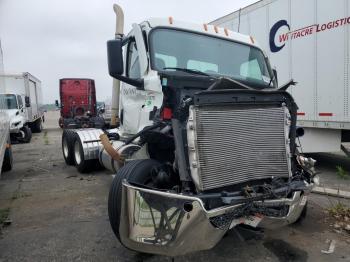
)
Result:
{"points": [[10, 101], [211, 55]]}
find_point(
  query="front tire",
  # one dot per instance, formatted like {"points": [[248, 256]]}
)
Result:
{"points": [[137, 171], [27, 134]]}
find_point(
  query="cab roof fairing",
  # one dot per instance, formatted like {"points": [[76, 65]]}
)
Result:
{"points": [[200, 28]]}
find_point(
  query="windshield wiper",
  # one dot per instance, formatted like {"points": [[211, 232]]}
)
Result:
{"points": [[272, 78], [190, 71]]}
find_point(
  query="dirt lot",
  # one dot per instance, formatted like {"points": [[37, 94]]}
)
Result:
{"points": [[59, 215]]}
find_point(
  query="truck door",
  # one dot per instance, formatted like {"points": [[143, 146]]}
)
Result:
{"points": [[135, 104], [33, 101], [21, 108]]}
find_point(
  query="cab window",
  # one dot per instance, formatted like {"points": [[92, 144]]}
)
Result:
{"points": [[20, 102], [133, 64]]}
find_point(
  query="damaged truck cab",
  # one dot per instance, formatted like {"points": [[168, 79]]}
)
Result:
{"points": [[206, 142], [218, 139]]}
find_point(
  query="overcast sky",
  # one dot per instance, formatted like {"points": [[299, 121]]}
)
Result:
{"points": [[55, 39]]}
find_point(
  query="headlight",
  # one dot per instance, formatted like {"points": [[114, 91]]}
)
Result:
{"points": [[14, 124]]}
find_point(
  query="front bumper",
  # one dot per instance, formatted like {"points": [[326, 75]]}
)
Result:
{"points": [[173, 224]]}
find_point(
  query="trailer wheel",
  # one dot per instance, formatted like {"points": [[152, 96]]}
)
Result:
{"points": [[137, 171], [83, 166], [7, 164], [67, 146], [27, 134], [37, 126]]}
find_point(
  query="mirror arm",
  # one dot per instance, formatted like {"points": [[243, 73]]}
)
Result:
{"points": [[138, 83]]}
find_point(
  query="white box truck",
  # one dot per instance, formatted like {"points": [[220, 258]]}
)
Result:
{"points": [[307, 41], [5, 144], [24, 102]]}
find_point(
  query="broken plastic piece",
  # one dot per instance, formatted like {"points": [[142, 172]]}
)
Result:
{"points": [[331, 248]]}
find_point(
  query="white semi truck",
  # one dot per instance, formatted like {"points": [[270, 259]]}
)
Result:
{"points": [[6, 160], [206, 138], [307, 41], [23, 97]]}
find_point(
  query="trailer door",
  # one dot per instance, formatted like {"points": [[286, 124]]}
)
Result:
{"points": [[33, 112]]}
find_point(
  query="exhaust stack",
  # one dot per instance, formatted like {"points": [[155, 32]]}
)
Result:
{"points": [[119, 31]]}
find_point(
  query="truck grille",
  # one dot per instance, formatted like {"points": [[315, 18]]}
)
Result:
{"points": [[229, 145]]}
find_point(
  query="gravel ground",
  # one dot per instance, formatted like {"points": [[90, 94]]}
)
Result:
{"points": [[58, 214]]}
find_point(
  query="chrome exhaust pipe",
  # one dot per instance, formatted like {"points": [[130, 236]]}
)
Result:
{"points": [[119, 31]]}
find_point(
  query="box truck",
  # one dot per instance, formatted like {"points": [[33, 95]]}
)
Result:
{"points": [[206, 140], [5, 143], [23, 98], [307, 41]]}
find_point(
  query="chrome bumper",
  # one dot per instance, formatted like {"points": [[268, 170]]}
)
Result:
{"points": [[173, 224]]}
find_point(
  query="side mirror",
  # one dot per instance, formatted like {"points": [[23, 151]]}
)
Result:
{"points": [[27, 101], [275, 74], [56, 103], [300, 131], [116, 64], [115, 57]]}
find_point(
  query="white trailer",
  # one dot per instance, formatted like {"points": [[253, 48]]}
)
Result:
{"points": [[5, 144], [24, 100], [307, 41]]}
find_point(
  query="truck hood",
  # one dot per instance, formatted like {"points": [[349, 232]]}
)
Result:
{"points": [[12, 112]]}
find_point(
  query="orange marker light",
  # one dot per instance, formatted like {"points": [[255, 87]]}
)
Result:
{"points": [[226, 31], [205, 27], [252, 39], [170, 20]]}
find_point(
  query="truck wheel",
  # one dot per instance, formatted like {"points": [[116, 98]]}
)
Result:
{"points": [[83, 166], [137, 171], [7, 164], [37, 126], [27, 134], [67, 146]]}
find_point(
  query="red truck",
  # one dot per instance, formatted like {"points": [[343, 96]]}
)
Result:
{"points": [[78, 104]]}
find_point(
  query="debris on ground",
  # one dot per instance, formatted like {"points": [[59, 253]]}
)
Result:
{"points": [[7, 222], [71, 176], [4, 217], [331, 247], [341, 214]]}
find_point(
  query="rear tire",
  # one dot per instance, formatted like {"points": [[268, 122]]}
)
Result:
{"points": [[137, 171], [67, 146], [7, 164], [27, 135], [83, 166]]}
